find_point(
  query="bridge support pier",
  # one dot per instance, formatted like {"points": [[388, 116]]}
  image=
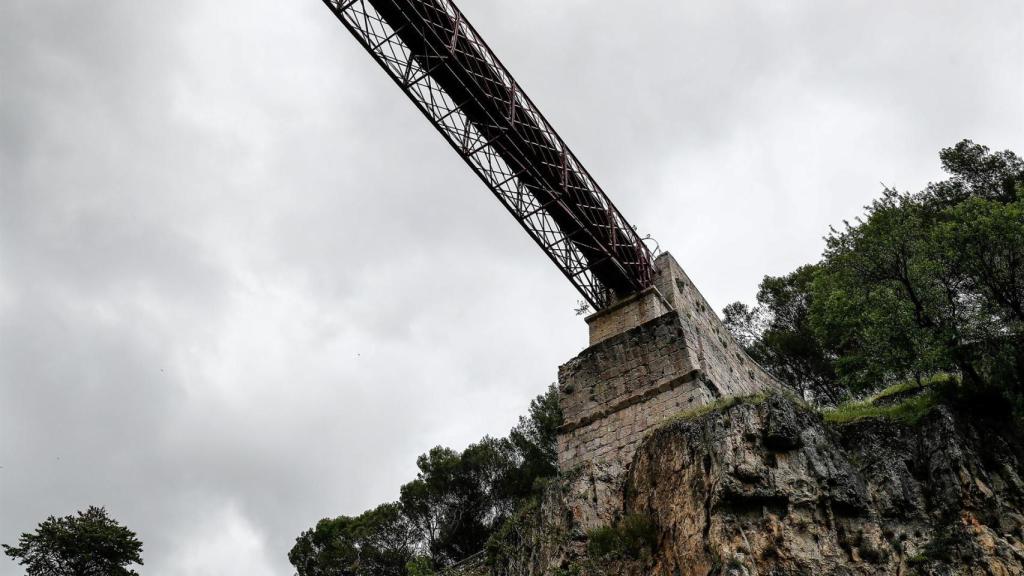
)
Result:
{"points": [[654, 355]]}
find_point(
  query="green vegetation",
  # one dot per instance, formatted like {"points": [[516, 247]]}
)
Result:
{"points": [[380, 541], [938, 549], [909, 387], [716, 406], [923, 283], [506, 542], [909, 411], [89, 543], [632, 538], [420, 566], [905, 402], [447, 513]]}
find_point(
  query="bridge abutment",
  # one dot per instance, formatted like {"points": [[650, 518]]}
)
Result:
{"points": [[656, 354]]}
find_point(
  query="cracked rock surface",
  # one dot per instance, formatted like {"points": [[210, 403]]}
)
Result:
{"points": [[769, 488]]}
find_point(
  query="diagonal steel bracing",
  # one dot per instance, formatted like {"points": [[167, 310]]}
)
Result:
{"points": [[436, 57]]}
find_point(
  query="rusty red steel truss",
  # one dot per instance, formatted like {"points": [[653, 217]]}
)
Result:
{"points": [[437, 58]]}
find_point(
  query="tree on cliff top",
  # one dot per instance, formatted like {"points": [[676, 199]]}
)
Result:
{"points": [[921, 283], [932, 281], [89, 544]]}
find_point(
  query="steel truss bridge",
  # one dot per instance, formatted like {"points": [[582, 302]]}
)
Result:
{"points": [[438, 59]]}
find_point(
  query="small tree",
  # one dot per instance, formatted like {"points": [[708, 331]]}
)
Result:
{"points": [[89, 544]]}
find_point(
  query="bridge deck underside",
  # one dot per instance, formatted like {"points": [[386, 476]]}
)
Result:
{"points": [[438, 59]]}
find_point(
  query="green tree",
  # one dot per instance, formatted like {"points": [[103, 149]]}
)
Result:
{"points": [[978, 239], [456, 501], [459, 499], [379, 542], [328, 549], [746, 324], [931, 281], [921, 283], [977, 172], [882, 301], [388, 540], [778, 334], [87, 544], [535, 443]]}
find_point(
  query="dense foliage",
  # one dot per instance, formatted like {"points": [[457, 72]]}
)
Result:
{"points": [[88, 544], [923, 283], [380, 541], [451, 508]]}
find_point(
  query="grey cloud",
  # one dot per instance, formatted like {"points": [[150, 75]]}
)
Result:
{"points": [[243, 284]]}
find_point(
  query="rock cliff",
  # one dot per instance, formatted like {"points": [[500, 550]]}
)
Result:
{"points": [[768, 487]]}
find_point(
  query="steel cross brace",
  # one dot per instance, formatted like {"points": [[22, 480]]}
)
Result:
{"points": [[436, 57]]}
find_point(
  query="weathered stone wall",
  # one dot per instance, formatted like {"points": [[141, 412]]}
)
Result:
{"points": [[640, 370], [627, 314], [720, 358], [614, 392]]}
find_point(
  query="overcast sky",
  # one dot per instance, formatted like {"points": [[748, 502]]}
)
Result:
{"points": [[243, 283]]}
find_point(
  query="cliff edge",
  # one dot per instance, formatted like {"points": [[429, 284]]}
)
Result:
{"points": [[765, 485]]}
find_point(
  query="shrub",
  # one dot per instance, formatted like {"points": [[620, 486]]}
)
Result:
{"points": [[634, 537]]}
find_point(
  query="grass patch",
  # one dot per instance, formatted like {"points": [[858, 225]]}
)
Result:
{"points": [[909, 411], [716, 406], [908, 385]]}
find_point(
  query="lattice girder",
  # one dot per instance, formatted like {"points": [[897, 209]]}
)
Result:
{"points": [[436, 57]]}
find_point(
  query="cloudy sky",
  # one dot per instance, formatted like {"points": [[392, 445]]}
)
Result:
{"points": [[243, 283]]}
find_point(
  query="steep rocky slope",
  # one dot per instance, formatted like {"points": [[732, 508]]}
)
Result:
{"points": [[769, 487]]}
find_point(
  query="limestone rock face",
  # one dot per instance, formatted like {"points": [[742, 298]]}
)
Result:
{"points": [[769, 488]]}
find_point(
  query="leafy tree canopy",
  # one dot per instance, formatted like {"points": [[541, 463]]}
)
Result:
{"points": [[923, 282], [379, 542], [87, 544], [456, 501]]}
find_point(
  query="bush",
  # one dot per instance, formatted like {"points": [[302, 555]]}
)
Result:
{"points": [[634, 537]]}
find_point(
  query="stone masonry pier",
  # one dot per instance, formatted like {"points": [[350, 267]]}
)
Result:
{"points": [[651, 356]]}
